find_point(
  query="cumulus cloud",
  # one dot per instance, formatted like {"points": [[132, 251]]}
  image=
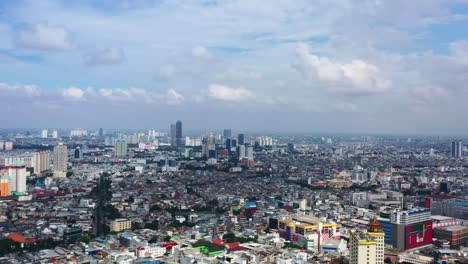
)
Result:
{"points": [[105, 57], [44, 37], [354, 78], [226, 93], [20, 90], [73, 93], [166, 72], [173, 97], [201, 52], [238, 75]]}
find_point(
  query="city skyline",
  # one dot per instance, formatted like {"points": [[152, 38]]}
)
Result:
{"points": [[333, 66]]}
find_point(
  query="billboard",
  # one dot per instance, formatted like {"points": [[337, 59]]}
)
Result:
{"points": [[419, 234]]}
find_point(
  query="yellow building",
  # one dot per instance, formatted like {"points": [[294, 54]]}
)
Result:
{"points": [[121, 224], [367, 247]]}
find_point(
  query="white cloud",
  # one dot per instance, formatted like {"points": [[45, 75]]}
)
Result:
{"points": [[226, 93], [73, 93], [105, 57], [355, 78], [44, 37], [20, 89], [200, 52], [173, 97], [233, 74], [166, 72]]}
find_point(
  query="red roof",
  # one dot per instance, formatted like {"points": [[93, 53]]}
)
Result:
{"points": [[17, 237]]}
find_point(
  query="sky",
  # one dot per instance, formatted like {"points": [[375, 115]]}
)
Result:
{"points": [[341, 66]]}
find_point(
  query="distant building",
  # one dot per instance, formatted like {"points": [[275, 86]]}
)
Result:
{"points": [[78, 154], [78, 133], [41, 161], [13, 179], [173, 135], [101, 132], [240, 139], [120, 148], [44, 133], [55, 134], [290, 147], [179, 141], [121, 224], [8, 145], [448, 206], [227, 133], [241, 152], [60, 160], [249, 152], [457, 148]]}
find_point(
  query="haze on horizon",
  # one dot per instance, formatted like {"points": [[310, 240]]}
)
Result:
{"points": [[340, 66]]}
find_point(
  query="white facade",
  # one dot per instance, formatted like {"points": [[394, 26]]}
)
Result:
{"points": [[55, 134], [362, 249], [150, 251], [60, 160], [44, 133]]}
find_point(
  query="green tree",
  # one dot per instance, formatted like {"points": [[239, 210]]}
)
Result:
{"points": [[229, 237]]}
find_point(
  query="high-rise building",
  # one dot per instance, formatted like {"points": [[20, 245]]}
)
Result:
{"points": [[173, 135], [249, 152], [290, 147], [456, 150], [13, 179], [375, 232], [179, 141], [2, 145], [78, 153], [101, 132], [363, 248], [120, 148], [41, 161], [60, 160], [227, 133], [241, 152], [240, 139], [44, 133], [55, 134]]}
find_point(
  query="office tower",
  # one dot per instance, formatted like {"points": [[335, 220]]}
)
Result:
{"points": [[249, 152], [290, 147], [41, 161], [101, 132], [78, 133], [375, 231], [173, 135], [2, 145], [60, 160], [229, 144], [363, 248], [78, 154], [55, 134], [44, 133], [227, 133], [8, 145], [178, 133], [120, 148], [240, 139], [241, 152], [234, 143], [456, 151]]}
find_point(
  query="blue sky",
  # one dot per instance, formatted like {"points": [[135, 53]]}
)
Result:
{"points": [[289, 66]]}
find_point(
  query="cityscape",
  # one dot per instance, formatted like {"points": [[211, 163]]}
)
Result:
{"points": [[233, 132]]}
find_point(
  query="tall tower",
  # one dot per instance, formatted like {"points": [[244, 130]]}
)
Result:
{"points": [[374, 230], [60, 160], [227, 133], [44, 133], [178, 133], [240, 139], [120, 148], [173, 135], [55, 134], [456, 150]]}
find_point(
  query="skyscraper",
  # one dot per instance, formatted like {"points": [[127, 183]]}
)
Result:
{"points": [[227, 133], [179, 133], [173, 135], [41, 161], [120, 148], [456, 151], [13, 179], [78, 154], [101, 132], [60, 160], [44, 133], [241, 152], [249, 152], [55, 134], [240, 139]]}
